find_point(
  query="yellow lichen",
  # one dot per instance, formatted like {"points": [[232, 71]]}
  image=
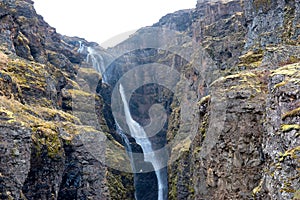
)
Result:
{"points": [[79, 93], [87, 71], [283, 83], [204, 100], [292, 70], [292, 153], [288, 127], [26, 74], [45, 123], [297, 195], [292, 113], [51, 114], [6, 115], [258, 188], [251, 59]]}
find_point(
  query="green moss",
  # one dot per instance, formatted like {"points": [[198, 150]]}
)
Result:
{"points": [[173, 188], [42, 122], [204, 126], [120, 184], [178, 177], [292, 113], [47, 135]]}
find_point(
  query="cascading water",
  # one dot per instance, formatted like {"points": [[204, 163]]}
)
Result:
{"points": [[97, 62], [81, 47], [139, 134], [95, 58], [127, 147], [126, 144]]}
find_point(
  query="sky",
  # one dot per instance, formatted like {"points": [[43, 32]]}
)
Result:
{"points": [[102, 21]]}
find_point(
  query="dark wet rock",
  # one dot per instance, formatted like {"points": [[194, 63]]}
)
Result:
{"points": [[232, 121]]}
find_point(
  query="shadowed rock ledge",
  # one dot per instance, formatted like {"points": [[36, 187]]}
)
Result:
{"points": [[246, 118]]}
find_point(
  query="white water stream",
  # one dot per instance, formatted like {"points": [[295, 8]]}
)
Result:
{"points": [[141, 138]]}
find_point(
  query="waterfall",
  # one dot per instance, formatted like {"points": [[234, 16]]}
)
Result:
{"points": [[127, 147], [95, 58], [126, 144], [136, 131], [97, 62], [139, 134], [81, 47]]}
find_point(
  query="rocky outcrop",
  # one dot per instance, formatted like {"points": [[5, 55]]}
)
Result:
{"points": [[15, 158], [46, 113], [245, 147], [281, 138], [232, 110]]}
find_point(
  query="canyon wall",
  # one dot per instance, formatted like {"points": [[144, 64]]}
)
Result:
{"points": [[232, 113]]}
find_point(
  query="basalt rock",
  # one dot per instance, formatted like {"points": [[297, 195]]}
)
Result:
{"points": [[232, 118], [46, 113]]}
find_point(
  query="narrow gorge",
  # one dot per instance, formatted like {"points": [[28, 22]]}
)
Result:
{"points": [[204, 104]]}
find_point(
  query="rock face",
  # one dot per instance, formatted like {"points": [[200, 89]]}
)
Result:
{"points": [[46, 109], [15, 159], [232, 113], [246, 147]]}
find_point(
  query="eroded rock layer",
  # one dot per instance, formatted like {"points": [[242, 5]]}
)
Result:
{"points": [[233, 116]]}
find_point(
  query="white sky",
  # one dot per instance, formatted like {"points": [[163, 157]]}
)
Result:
{"points": [[99, 20]]}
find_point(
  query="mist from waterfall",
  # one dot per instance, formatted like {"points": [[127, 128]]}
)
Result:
{"points": [[141, 138]]}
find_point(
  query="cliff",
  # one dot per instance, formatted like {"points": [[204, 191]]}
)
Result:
{"points": [[42, 153], [227, 75]]}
